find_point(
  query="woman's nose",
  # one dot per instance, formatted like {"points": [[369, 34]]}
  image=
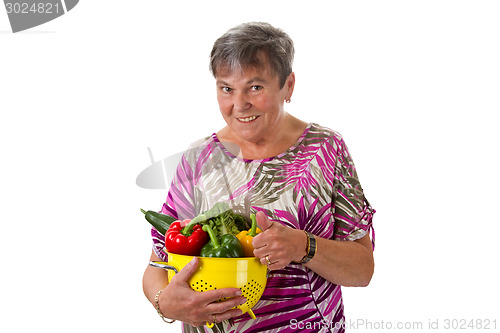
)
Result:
{"points": [[241, 102]]}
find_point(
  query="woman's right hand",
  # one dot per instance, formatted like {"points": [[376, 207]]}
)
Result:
{"points": [[178, 301]]}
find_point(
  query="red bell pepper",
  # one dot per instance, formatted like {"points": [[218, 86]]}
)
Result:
{"points": [[191, 245]]}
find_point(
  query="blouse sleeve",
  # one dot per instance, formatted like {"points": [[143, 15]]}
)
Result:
{"points": [[352, 213], [180, 202]]}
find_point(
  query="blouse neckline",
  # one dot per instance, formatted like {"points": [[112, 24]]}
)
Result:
{"points": [[281, 155]]}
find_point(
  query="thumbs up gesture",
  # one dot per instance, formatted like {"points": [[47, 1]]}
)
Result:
{"points": [[277, 245]]}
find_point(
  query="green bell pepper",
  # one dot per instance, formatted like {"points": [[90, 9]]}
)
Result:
{"points": [[228, 246]]}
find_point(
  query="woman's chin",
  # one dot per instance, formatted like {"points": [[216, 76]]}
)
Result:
{"points": [[246, 131]]}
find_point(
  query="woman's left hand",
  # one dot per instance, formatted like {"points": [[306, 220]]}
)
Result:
{"points": [[277, 245]]}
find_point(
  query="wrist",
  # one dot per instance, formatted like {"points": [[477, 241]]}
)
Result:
{"points": [[301, 241], [310, 248], [158, 309]]}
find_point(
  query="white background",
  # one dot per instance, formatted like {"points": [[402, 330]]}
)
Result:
{"points": [[413, 86]]}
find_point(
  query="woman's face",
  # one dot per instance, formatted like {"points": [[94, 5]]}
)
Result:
{"points": [[251, 102]]}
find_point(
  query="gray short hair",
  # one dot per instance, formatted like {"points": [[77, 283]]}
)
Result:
{"points": [[239, 47]]}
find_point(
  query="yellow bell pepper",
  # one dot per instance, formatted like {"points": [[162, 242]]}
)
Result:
{"points": [[245, 237]]}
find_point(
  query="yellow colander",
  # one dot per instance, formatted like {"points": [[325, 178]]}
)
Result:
{"points": [[247, 273]]}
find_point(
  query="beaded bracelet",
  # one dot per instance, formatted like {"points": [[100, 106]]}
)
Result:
{"points": [[157, 307]]}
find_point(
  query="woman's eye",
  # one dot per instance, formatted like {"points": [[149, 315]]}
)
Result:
{"points": [[256, 88], [226, 89]]}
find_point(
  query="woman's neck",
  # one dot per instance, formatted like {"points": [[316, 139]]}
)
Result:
{"points": [[280, 140]]}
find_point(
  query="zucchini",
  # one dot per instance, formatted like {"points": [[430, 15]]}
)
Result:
{"points": [[159, 221]]}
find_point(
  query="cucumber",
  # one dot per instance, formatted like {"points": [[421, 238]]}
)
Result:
{"points": [[159, 221]]}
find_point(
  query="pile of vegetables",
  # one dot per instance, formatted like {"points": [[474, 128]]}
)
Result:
{"points": [[218, 232]]}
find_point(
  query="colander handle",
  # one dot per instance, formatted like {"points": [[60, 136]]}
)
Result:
{"points": [[161, 264]]}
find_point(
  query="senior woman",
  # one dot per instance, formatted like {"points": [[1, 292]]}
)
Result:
{"points": [[298, 177]]}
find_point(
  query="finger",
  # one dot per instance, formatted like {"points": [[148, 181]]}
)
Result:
{"points": [[211, 296], [262, 221], [258, 243], [275, 266], [187, 271], [220, 317], [221, 307], [198, 323], [259, 250], [264, 260]]}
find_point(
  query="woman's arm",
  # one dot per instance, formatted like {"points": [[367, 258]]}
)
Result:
{"points": [[154, 279], [178, 301], [341, 262], [346, 263]]}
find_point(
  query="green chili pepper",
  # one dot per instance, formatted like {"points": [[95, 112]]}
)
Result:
{"points": [[160, 221], [228, 246]]}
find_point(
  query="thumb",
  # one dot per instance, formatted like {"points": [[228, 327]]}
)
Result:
{"points": [[188, 270], [262, 221]]}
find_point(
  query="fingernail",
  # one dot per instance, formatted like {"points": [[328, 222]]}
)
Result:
{"points": [[237, 293], [243, 301]]}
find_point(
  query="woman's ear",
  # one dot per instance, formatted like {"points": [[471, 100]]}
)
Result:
{"points": [[289, 85]]}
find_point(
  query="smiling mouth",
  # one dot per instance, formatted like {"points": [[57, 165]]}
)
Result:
{"points": [[247, 119]]}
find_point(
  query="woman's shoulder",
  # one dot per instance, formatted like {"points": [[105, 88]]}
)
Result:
{"points": [[318, 134], [199, 147], [202, 142]]}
